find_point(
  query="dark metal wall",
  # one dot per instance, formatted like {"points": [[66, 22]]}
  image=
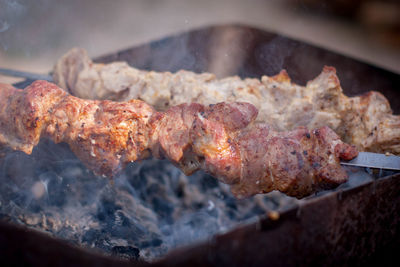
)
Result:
{"points": [[357, 226]]}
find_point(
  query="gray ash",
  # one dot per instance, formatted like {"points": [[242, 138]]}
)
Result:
{"points": [[143, 213]]}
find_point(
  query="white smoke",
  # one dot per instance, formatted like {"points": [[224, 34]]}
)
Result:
{"points": [[4, 26], [11, 12]]}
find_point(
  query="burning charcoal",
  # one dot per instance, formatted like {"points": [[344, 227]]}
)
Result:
{"points": [[154, 188], [6, 218], [107, 210], [143, 209], [211, 210], [161, 207], [36, 206], [208, 182], [151, 243], [198, 205], [135, 177], [129, 215], [126, 252], [124, 227], [156, 242], [179, 192], [91, 236], [56, 188]]}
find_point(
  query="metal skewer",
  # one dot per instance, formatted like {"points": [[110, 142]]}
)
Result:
{"points": [[27, 75], [364, 159], [375, 160]]}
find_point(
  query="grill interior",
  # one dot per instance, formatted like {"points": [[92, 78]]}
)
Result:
{"points": [[152, 207]]}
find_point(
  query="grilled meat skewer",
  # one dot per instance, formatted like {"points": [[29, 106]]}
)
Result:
{"points": [[221, 139], [365, 121]]}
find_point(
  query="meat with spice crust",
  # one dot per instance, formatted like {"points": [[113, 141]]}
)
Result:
{"points": [[365, 121], [221, 139]]}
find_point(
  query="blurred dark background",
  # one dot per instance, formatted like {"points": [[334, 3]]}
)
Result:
{"points": [[33, 34]]}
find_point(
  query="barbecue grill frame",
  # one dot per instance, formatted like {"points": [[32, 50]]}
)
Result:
{"points": [[352, 226]]}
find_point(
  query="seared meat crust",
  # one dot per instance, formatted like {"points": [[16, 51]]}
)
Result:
{"points": [[365, 121], [221, 139]]}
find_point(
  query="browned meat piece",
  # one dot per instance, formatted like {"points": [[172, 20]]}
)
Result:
{"points": [[365, 121], [221, 139], [105, 135]]}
